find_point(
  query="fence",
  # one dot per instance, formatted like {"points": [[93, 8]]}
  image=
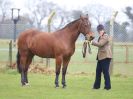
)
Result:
{"points": [[7, 30], [123, 47], [122, 53]]}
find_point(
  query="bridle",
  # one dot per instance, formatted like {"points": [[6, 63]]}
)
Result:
{"points": [[86, 43]]}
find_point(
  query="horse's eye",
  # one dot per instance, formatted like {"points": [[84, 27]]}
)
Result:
{"points": [[90, 25], [86, 24]]}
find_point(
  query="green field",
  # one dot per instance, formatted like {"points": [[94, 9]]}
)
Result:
{"points": [[79, 87]]}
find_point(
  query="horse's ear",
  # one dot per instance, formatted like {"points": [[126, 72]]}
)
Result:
{"points": [[80, 16], [87, 16]]}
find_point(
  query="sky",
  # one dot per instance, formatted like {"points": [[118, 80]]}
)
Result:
{"points": [[115, 5], [73, 4]]}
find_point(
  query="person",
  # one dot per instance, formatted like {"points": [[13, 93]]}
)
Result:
{"points": [[104, 57]]}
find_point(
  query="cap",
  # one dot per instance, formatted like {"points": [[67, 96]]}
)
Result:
{"points": [[100, 27]]}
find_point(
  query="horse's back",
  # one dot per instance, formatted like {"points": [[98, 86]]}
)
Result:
{"points": [[28, 33], [25, 37]]}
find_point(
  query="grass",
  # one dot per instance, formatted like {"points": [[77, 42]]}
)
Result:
{"points": [[79, 87]]}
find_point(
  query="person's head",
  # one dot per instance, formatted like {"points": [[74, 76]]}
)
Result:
{"points": [[100, 29]]}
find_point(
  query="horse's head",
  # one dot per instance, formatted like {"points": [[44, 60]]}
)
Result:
{"points": [[85, 27]]}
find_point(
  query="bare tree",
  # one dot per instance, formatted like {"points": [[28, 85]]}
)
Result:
{"points": [[38, 11], [99, 13], [62, 18], [4, 7], [76, 14]]}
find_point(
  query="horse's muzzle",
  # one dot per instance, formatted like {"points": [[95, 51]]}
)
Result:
{"points": [[89, 38]]}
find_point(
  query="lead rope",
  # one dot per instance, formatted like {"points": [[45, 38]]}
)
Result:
{"points": [[89, 48], [85, 48]]}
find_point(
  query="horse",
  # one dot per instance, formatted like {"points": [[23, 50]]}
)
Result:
{"points": [[59, 45]]}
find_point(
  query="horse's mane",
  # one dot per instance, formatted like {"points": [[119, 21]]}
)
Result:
{"points": [[70, 24]]}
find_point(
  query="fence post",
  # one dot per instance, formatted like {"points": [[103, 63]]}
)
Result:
{"points": [[49, 30], [112, 42], [126, 61], [10, 53]]}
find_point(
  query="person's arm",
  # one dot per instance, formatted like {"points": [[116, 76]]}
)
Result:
{"points": [[101, 43]]}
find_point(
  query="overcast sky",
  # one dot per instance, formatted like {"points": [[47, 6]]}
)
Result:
{"points": [[115, 4], [74, 4]]}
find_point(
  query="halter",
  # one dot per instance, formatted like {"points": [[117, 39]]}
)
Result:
{"points": [[85, 44], [79, 27]]}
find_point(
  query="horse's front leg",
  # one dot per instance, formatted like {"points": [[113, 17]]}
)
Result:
{"points": [[22, 78], [64, 69], [58, 66]]}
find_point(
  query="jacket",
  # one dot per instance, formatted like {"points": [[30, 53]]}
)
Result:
{"points": [[104, 47]]}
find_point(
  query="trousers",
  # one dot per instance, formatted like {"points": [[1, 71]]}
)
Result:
{"points": [[102, 66]]}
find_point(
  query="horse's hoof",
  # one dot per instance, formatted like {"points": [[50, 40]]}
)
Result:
{"points": [[64, 86], [23, 84], [56, 86], [27, 84]]}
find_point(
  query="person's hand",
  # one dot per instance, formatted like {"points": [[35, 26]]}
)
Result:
{"points": [[87, 41], [90, 42], [93, 42]]}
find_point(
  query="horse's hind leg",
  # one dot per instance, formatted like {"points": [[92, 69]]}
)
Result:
{"points": [[25, 61], [64, 69], [58, 66], [29, 60]]}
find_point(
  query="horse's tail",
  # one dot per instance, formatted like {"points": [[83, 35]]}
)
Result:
{"points": [[18, 62]]}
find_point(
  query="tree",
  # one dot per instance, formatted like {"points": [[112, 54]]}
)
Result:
{"points": [[61, 18], [76, 14], [66, 18], [4, 6], [120, 30], [99, 13], [129, 13], [38, 11]]}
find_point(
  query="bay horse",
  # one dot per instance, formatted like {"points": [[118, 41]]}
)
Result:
{"points": [[59, 45]]}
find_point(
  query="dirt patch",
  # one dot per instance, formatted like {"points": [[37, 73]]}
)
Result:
{"points": [[42, 70]]}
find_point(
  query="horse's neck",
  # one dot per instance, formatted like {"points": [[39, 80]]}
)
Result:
{"points": [[73, 35], [70, 33]]}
